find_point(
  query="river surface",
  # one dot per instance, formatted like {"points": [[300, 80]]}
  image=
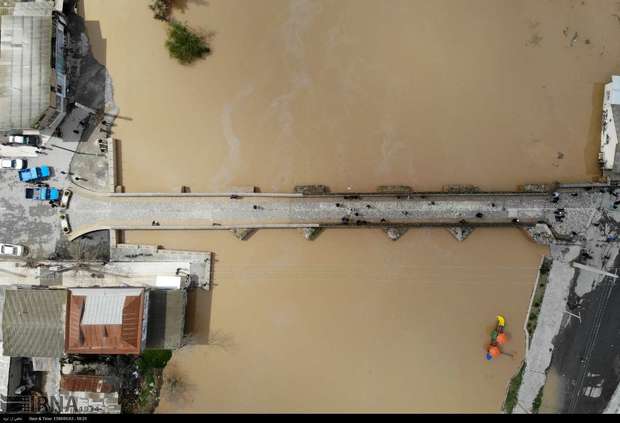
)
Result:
{"points": [[354, 94]]}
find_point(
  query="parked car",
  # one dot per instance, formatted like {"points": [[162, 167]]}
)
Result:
{"points": [[31, 140], [43, 194], [35, 174], [13, 250], [13, 164], [66, 196], [64, 223]]}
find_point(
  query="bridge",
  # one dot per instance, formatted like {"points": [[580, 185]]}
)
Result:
{"points": [[547, 217]]}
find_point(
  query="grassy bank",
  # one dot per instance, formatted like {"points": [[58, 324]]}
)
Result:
{"points": [[538, 401], [532, 321], [513, 391], [146, 396], [539, 293]]}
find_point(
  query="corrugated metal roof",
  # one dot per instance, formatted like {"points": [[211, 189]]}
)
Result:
{"points": [[33, 322], [166, 321], [127, 292], [103, 310], [33, 8], [25, 69]]}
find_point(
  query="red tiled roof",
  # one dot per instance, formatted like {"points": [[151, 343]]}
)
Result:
{"points": [[85, 383], [125, 338]]}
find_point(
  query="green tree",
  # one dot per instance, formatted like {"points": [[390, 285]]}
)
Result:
{"points": [[161, 9], [184, 44]]}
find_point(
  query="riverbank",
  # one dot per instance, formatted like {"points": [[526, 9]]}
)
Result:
{"points": [[356, 95]]}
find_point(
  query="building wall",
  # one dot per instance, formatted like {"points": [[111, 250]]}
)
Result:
{"points": [[25, 59]]}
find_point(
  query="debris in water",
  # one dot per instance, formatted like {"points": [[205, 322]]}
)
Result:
{"points": [[535, 40], [572, 40]]}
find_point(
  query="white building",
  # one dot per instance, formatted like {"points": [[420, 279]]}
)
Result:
{"points": [[32, 62], [610, 123]]}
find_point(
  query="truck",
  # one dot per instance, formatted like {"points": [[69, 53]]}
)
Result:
{"points": [[35, 174], [43, 194]]}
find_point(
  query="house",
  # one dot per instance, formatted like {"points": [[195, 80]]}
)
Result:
{"points": [[87, 383], [40, 326], [33, 322], [106, 321], [89, 387], [166, 322], [25, 57], [610, 126]]}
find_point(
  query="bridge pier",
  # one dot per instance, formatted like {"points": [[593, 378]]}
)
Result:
{"points": [[395, 233], [311, 233], [460, 233], [243, 234]]}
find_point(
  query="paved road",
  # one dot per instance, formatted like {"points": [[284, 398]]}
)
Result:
{"points": [[587, 352], [92, 211]]}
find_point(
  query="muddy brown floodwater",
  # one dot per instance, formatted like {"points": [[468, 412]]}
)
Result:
{"points": [[356, 93]]}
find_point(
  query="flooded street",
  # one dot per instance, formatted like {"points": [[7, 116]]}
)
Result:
{"points": [[356, 94]]}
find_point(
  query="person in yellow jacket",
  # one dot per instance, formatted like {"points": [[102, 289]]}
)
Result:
{"points": [[501, 322], [498, 337]]}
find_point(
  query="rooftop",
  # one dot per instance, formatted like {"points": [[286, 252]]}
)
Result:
{"points": [[86, 383], [610, 125], [25, 64], [33, 322], [105, 321], [166, 322]]}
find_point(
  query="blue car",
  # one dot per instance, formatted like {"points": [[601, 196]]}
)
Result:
{"points": [[43, 194], [35, 174]]}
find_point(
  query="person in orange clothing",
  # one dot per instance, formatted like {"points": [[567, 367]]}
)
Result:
{"points": [[498, 337]]}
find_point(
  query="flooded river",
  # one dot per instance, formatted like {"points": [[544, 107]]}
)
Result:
{"points": [[355, 94]]}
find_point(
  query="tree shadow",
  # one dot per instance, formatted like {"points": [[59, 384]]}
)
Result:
{"points": [[182, 5], [175, 386], [222, 340]]}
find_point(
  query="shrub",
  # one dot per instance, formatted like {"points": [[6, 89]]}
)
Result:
{"points": [[161, 9], [546, 266], [184, 44], [513, 390], [537, 402], [154, 359]]}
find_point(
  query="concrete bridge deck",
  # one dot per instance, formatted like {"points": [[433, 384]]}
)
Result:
{"points": [[90, 211]]}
